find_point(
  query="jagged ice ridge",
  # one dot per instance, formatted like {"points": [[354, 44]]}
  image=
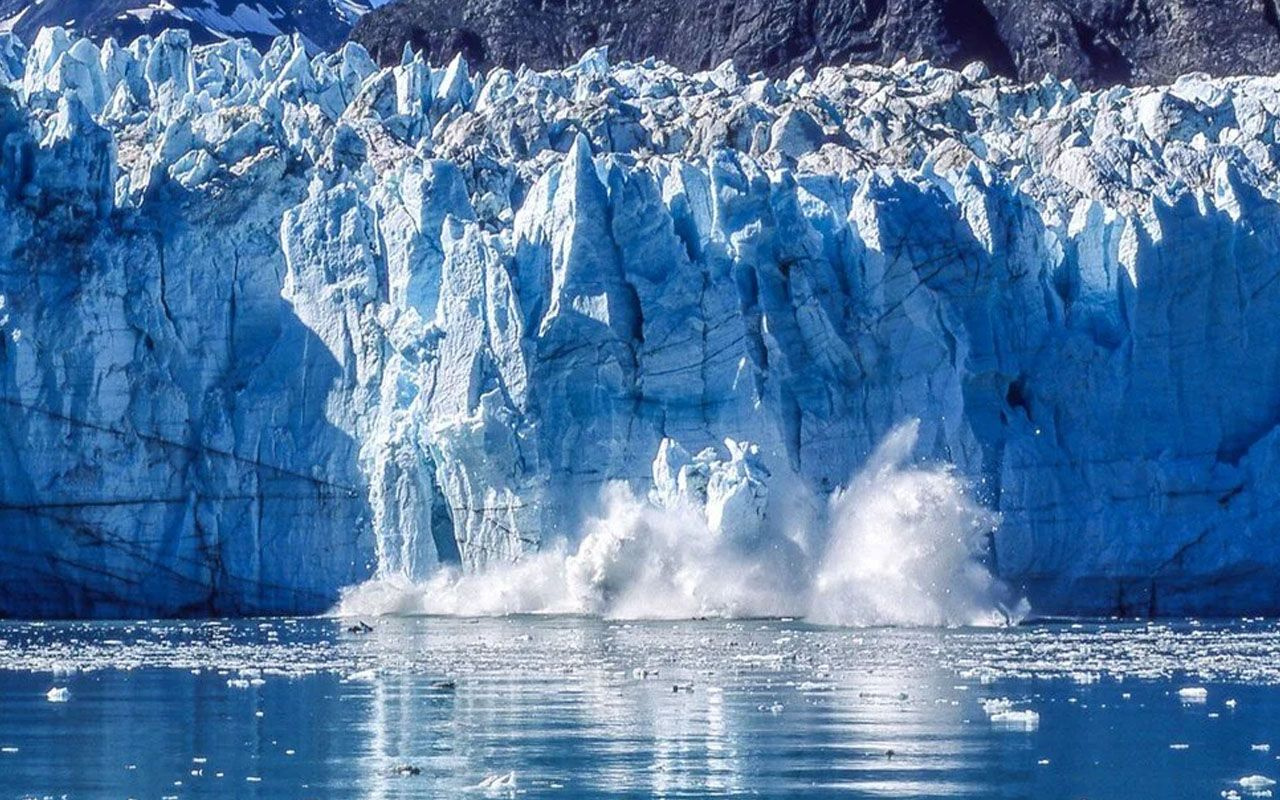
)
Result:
{"points": [[274, 324]]}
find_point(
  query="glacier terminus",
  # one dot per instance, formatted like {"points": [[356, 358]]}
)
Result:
{"points": [[277, 325]]}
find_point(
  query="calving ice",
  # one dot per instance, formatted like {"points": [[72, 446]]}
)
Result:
{"points": [[716, 538], [275, 325]]}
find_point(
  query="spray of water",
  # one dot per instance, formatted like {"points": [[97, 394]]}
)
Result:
{"points": [[900, 545]]}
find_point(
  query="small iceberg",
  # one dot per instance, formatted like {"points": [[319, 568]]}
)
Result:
{"points": [[1001, 713], [1257, 785], [501, 782], [58, 694], [1025, 719], [1193, 694]]}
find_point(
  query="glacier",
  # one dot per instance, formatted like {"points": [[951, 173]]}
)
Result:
{"points": [[277, 324]]}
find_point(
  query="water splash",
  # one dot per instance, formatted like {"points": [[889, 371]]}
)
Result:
{"points": [[900, 545], [903, 547]]}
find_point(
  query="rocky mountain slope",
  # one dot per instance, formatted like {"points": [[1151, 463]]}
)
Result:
{"points": [[1093, 42], [275, 324], [322, 24]]}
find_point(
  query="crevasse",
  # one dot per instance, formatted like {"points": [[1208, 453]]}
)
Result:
{"points": [[274, 324]]}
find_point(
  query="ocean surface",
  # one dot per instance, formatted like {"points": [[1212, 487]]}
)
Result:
{"points": [[578, 707]]}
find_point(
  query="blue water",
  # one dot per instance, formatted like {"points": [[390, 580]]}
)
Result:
{"points": [[573, 708]]}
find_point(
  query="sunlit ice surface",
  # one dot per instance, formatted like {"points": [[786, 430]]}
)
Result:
{"points": [[555, 706]]}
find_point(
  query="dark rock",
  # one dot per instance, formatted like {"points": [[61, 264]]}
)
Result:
{"points": [[1095, 42]]}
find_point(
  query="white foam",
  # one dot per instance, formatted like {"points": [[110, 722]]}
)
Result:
{"points": [[899, 545]]}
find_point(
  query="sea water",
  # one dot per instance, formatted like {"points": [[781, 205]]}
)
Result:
{"points": [[555, 706]]}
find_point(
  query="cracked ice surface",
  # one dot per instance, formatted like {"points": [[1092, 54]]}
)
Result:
{"points": [[274, 324]]}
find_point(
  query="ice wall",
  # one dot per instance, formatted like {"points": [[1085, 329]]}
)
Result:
{"points": [[275, 324]]}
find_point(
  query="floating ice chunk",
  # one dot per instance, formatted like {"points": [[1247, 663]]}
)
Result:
{"points": [[1000, 712], [1256, 785], [1179, 746], [1025, 719], [1193, 694], [501, 782], [1260, 748], [238, 683], [58, 694], [996, 705]]}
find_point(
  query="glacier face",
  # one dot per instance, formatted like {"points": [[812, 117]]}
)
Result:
{"points": [[274, 324]]}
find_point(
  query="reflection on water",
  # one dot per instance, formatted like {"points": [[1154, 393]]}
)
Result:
{"points": [[583, 708]]}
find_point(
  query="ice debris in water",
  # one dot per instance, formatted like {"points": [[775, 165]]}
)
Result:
{"points": [[899, 545], [500, 782], [434, 314], [1193, 694], [1256, 784], [1002, 713], [58, 694]]}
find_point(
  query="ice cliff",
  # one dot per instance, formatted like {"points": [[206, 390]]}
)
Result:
{"points": [[274, 324]]}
